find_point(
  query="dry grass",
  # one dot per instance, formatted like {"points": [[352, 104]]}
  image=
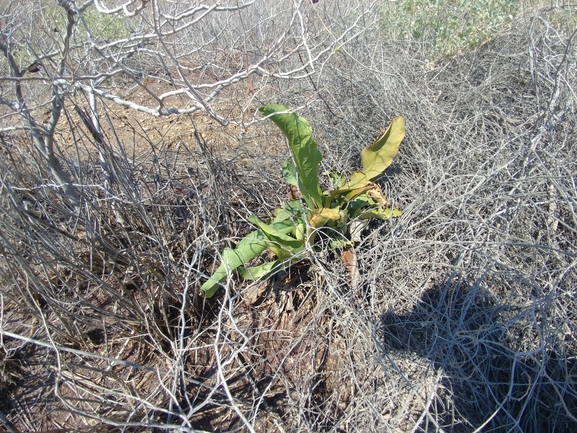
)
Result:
{"points": [[465, 320]]}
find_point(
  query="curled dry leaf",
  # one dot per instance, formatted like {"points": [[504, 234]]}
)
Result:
{"points": [[349, 258]]}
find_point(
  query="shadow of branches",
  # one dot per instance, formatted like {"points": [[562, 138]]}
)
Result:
{"points": [[504, 368]]}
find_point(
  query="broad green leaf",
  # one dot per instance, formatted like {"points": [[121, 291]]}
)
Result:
{"points": [[283, 227], [280, 252], [379, 155], [292, 210], [271, 232], [247, 249], [267, 269], [282, 245], [294, 206], [256, 272], [356, 206], [289, 171], [304, 149]]}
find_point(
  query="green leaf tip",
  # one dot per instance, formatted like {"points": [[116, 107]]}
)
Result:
{"points": [[305, 152]]}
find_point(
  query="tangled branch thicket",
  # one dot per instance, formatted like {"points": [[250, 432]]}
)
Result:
{"points": [[111, 219]]}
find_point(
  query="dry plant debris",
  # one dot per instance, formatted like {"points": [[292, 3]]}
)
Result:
{"points": [[464, 317]]}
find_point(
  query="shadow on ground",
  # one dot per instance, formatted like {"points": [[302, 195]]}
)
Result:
{"points": [[504, 368]]}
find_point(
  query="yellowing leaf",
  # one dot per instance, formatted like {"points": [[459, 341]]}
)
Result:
{"points": [[358, 180], [358, 184], [379, 155], [382, 214], [320, 217]]}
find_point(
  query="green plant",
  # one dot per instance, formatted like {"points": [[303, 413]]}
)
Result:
{"points": [[296, 224], [448, 27]]}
